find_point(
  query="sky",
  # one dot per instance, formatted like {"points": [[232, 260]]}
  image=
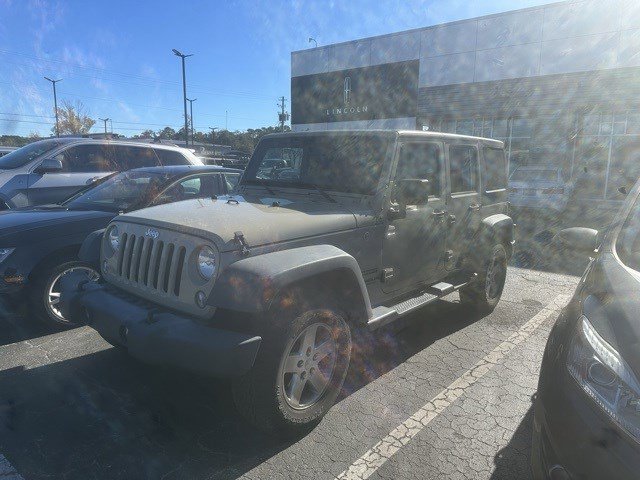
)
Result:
{"points": [[115, 56]]}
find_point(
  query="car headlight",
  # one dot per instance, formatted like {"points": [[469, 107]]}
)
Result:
{"points": [[5, 252], [114, 238], [605, 377], [207, 263]]}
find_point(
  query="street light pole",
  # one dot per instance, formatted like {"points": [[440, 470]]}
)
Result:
{"points": [[184, 94], [191, 100], [105, 120], [213, 134], [55, 102]]}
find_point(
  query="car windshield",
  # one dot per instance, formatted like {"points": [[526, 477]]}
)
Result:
{"points": [[22, 156], [534, 175], [340, 163], [120, 192]]}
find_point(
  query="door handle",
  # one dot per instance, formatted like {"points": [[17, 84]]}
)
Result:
{"points": [[475, 207]]}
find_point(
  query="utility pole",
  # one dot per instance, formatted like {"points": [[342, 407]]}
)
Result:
{"points": [[55, 103], [213, 134], [105, 120], [184, 94], [191, 100], [226, 120], [282, 116]]}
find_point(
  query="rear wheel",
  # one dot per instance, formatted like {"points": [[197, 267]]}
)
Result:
{"points": [[45, 293], [297, 375], [485, 294]]}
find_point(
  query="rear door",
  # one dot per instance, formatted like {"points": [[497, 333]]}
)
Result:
{"points": [[81, 165], [465, 200]]}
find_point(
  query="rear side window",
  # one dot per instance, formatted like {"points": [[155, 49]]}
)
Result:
{"points": [[171, 157], [495, 169], [463, 164], [86, 158], [134, 157]]}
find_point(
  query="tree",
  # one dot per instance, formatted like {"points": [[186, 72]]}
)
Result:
{"points": [[146, 134], [167, 133], [73, 119]]}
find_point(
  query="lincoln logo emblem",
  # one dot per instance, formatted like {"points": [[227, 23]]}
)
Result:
{"points": [[347, 91]]}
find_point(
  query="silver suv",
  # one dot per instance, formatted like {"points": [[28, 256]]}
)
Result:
{"points": [[51, 170]]}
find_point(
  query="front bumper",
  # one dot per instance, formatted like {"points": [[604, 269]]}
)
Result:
{"points": [[157, 336], [573, 439]]}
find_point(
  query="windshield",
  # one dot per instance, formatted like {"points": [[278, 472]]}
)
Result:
{"points": [[341, 163], [120, 193], [24, 155], [522, 175]]}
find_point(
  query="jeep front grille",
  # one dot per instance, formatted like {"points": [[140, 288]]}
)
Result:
{"points": [[151, 263]]}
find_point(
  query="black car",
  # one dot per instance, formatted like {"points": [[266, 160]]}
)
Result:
{"points": [[587, 410], [39, 245]]}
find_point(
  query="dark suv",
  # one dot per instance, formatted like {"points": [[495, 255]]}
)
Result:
{"points": [[345, 230]]}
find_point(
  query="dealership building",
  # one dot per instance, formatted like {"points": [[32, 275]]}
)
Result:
{"points": [[558, 83]]}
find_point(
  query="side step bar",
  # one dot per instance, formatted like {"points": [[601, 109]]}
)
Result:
{"points": [[384, 315]]}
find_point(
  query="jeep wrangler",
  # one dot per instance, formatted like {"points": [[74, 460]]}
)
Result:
{"points": [[327, 232]]}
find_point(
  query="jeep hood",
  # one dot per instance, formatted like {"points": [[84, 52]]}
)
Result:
{"points": [[261, 220]]}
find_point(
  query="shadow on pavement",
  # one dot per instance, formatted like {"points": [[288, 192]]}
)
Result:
{"points": [[104, 415], [16, 325], [514, 460]]}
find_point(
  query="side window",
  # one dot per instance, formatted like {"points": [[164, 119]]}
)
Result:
{"points": [[421, 160], [134, 157], [192, 187], [495, 169], [86, 158], [231, 179], [463, 164], [171, 157]]}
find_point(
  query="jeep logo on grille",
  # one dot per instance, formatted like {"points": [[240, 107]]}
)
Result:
{"points": [[151, 233]]}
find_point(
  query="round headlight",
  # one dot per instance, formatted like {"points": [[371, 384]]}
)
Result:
{"points": [[207, 263], [114, 238]]}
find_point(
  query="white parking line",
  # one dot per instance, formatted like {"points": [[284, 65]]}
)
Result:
{"points": [[377, 456], [7, 472]]}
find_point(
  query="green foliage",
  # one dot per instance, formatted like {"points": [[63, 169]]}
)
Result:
{"points": [[73, 119]]}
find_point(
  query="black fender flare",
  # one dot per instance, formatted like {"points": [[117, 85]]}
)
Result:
{"points": [[250, 285], [90, 248], [498, 228]]}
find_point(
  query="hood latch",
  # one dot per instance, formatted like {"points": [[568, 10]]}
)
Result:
{"points": [[238, 238]]}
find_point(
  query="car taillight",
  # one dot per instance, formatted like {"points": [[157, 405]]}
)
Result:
{"points": [[553, 191]]}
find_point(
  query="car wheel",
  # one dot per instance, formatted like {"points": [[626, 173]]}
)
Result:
{"points": [[484, 294], [297, 376], [45, 294]]}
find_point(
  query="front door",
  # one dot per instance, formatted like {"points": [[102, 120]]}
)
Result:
{"points": [[465, 201], [81, 166], [413, 249]]}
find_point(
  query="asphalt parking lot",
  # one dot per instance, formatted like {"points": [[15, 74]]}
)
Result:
{"points": [[445, 395]]}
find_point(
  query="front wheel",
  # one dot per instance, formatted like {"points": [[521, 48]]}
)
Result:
{"points": [[485, 294], [45, 294], [297, 376]]}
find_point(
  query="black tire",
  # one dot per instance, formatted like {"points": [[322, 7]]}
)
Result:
{"points": [[261, 396], [479, 295], [43, 278]]}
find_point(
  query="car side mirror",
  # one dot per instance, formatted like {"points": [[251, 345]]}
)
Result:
{"points": [[413, 191], [583, 241], [49, 165]]}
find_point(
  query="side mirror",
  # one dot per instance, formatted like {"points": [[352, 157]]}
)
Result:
{"points": [[49, 165], [580, 240], [413, 191]]}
